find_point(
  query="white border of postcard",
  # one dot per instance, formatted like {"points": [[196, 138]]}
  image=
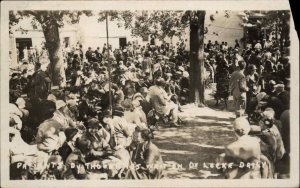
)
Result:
{"points": [[149, 5]]}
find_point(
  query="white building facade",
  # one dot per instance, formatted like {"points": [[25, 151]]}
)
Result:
{"points": [[91, 33]]}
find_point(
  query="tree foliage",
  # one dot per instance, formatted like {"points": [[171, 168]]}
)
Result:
{"points": [[43, 16], [50, 22], [159, 23], [162, 24]]}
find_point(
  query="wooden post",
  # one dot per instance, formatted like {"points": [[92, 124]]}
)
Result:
{"points": [[109, 67]]}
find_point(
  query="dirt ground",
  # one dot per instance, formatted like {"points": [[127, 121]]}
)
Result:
{"points": [[186, 150]]}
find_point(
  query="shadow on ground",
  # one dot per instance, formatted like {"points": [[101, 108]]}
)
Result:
{"points": [[203, 137]]}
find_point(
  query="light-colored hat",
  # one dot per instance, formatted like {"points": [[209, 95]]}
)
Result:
{"points": [[166, 58], [272, 82], [279, 86], [135, 103], [260, 96], [51, 97], [54, 88], [21, 103], [71, 103], [137, 96], [169, 74], [13, 109], [159, 57], [269, 113], [60, 104], [106, 87], [241, 124], [178, 72], [12, 130], [185, 74], [15, 121], [181, 68]]}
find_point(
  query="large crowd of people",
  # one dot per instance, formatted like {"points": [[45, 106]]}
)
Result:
{"points": [[258, 79], [100, 125]]}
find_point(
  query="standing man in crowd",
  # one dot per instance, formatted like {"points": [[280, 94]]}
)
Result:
{"points": [[39, 83], [238, 88]]}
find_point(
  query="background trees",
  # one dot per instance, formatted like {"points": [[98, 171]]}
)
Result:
{"points": [[50, 22], [163, 24]]}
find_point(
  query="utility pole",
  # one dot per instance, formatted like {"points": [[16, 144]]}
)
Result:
{"points": [[109, 68]]}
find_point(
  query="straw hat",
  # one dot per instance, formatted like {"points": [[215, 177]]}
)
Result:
{"points": [[185, 74], [241, 125], [60, 104], [21, 103]]}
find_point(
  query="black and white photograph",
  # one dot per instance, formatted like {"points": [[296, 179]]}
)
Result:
{"points": [[97, 93]]}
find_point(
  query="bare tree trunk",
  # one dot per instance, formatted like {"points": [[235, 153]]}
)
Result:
{"points": [[197, 71], [56, 66]]}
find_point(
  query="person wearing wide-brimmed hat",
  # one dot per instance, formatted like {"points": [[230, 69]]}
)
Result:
{"points": [[246, 149], [118, 128], [141, 98], [50, 136], [161, 102], [99, 138], [59, 115], [120, 133]]}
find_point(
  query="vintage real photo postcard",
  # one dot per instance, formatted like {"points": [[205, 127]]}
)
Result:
{"points": [[149, 94]]}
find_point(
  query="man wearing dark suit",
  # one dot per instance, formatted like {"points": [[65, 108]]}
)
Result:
{"points": [[282, 95], [238, 88]]}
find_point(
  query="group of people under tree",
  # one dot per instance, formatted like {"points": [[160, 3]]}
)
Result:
{"points": [[258, 78], [96, 128], [75, 133]]}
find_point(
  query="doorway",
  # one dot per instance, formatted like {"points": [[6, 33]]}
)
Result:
{"points": [[122, 42], [23, 43]]}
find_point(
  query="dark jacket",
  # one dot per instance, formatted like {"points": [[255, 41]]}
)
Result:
{"points": [[276, 104], [284, 97], [64, 151], [38, 87]]}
